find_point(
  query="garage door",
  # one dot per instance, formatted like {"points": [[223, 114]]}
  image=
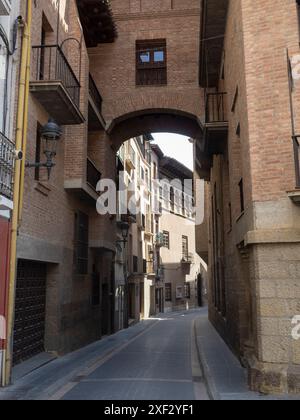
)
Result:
{"points": [[30, 310]]}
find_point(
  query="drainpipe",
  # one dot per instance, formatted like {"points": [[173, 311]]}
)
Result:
{"points": [[20, 144]]}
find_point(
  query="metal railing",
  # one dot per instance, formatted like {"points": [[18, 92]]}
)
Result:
{"points": [[188, 258], [95, 94], [7, 150], [215, 110], [50, 64], [297, 159], [93, 174]]}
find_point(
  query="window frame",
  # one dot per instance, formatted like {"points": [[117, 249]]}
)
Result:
{"points": [[166, 239], [168, 292], [152, 73]]}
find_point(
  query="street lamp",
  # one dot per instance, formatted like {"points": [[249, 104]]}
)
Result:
{"points": [[124, 226], [50, 135]]}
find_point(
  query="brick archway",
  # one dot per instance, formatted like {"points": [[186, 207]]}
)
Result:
{"points": [[153, 121]]}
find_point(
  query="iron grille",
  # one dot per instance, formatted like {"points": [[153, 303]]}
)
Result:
{"points": [[30, 310], [216, 108], [93, 175], [52, 65], [7, 150], [297, 159], [95, 94]]}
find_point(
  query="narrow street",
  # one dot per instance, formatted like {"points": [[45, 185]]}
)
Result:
{"points": [[159, 364], [155, 360]]}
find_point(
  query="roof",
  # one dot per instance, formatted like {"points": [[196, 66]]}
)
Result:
{"points": [[172, 166]]}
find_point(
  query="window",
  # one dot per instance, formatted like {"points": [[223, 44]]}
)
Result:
{"points": [[172, 200], [242, 199], [179, 292], [185, 248], [166, 236], [135, 264], [187, 291], [168, 292], [81, 243], [151, 62]]}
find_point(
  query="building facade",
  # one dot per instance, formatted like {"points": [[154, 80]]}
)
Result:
{"points": [[181, 264], [249, 152], [9, 41], [65, 269]]}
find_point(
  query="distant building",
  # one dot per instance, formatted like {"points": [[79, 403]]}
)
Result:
{"points": [[180, 263]]}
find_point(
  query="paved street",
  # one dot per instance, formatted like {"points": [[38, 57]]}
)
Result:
{"points": [[155, 360], [156, 365]]}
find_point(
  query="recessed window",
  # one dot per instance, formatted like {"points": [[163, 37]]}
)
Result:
{"points": [[151, 63], [168, 292]]}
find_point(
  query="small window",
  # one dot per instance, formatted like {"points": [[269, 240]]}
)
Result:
{"points": [[151, 63], [185, 248], [168, 292], [166, 239]]}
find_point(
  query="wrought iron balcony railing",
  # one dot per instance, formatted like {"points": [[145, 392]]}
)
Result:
{"points": [[7, 150], [95, 94], [52, 65], [93, 174], [216, 108], [296, 142]]}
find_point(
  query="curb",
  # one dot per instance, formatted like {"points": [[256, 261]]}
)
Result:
{"points": [[208, 377]]}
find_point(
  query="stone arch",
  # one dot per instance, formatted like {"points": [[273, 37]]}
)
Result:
{"points": [[153, 120]]}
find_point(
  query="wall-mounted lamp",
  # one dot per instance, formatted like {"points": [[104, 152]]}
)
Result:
{"points": [[50, 135], [124, 226]]}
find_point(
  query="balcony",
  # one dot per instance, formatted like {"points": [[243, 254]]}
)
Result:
{"points": [[7, 150], [148, 227], [213, 26], [131, 159], [5, 7], [295, 195], [214, 134], [188, 259], [55, 85], [93, 175], [86, 189], [96, 120]]}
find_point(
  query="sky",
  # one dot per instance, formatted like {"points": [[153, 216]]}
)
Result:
{"points": [[177, 147]]}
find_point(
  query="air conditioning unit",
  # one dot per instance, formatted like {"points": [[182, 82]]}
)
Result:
{"points": [[5, 7]]}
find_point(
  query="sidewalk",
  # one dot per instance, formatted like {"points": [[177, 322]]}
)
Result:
{"points": [[43, 383], [226, 378]]}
